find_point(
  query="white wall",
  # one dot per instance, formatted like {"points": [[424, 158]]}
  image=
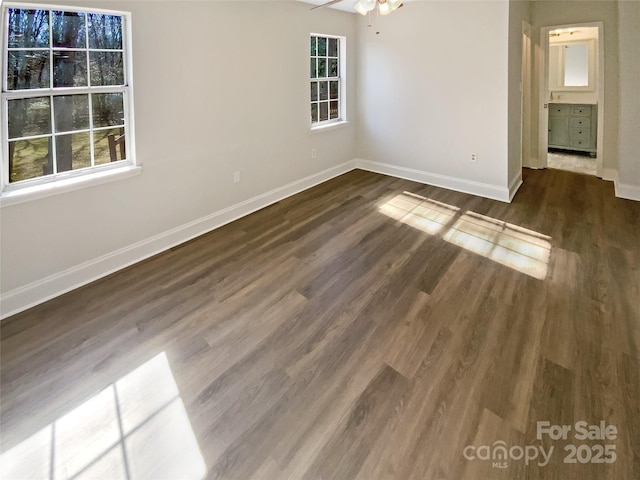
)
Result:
{"points": [[628, 184], [432, 89], [219, 87], [519, 11]]}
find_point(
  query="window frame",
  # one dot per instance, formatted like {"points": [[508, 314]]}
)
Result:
{"points": [[341, 79], [68, 180]]}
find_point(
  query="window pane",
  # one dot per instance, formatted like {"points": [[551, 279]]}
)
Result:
{"points": [[71, 112], [68, 29], [109, 145], [313, 46], [28, 69], [108, 109], [324, 90], [28, 28], [314, 91], [105, 31], [333, 67], [28, 159], [333, 47], [322, 46], [333, 109], [29, 117], [324, 111], [73, 151], [322, 67], [333, 89], [314, 112], [69, 69], [106, 68], [314, 72]]}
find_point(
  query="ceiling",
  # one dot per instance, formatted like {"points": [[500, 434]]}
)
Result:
{"points": [[573, 34], [344, 5]]}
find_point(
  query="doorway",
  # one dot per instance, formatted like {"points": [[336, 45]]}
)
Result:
{"points": [[572, 98]]}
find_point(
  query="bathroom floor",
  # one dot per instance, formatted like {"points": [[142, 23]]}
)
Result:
{"points": [[574, 162]]}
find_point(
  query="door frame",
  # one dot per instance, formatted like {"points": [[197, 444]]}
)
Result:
{"points": [[525, 93], [543, 100]]}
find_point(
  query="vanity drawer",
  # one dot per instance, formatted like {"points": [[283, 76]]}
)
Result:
{"points": [[581, 110], [559, 110], [579, 143], [576, 134], [576, 122]]}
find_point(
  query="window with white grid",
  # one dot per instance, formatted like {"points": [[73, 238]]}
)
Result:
{"points": [[327, 79], [66, 93]]}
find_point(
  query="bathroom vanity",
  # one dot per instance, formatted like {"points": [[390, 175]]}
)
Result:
{"points": [[573, 127]]}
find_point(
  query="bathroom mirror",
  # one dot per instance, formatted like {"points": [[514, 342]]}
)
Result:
{"points": [[571, 66]]}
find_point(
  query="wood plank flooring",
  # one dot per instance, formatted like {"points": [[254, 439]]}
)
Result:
{"points": [[368, 328]]}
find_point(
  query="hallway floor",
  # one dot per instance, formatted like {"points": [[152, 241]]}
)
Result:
{"points": [[572, 162]]}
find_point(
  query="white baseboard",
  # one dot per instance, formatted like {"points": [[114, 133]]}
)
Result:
{"points": [[452, 183], [629, 192], [21, 298], [515, 185]]}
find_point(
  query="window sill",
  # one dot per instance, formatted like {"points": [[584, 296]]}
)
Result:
{"points": [[329, 126], [35, 192]]}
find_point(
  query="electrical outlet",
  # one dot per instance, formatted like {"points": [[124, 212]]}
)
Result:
{"points": [[314, 153], [236, 177], [474, 157]]}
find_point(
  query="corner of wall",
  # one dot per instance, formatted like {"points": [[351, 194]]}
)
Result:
{"points": [[514, 185], [494, 192]]}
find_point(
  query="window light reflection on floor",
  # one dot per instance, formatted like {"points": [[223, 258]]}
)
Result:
{"points": [[135, 428], [510, 245], [422, 213]]}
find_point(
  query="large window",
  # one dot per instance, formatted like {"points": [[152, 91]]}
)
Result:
{"points": [[66, 98], [327, 79]]}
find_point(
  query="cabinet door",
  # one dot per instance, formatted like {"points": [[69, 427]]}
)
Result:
{"points": [[558, 131]]}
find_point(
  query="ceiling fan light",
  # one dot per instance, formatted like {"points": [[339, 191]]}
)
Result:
{"points": [[360, 8], [394, 4], [369, 4], [384, 8]]}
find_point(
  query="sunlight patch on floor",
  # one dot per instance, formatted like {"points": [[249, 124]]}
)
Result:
{"points": [[515, 247], [419, 212], [510, 245], [135, 428]]}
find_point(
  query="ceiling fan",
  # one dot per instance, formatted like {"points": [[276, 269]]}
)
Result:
{"points": [[363, 7]]}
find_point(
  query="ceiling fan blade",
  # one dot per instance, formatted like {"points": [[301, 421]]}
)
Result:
{"points": [[326, 4]]}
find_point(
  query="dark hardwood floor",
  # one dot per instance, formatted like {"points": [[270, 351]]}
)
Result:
{"points": [[368, 328]]}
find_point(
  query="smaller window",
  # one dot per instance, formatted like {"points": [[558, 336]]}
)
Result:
{"points": [[327, 79]]}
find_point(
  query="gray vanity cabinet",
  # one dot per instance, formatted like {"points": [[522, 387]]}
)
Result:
{"points": [[573, 127]]}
